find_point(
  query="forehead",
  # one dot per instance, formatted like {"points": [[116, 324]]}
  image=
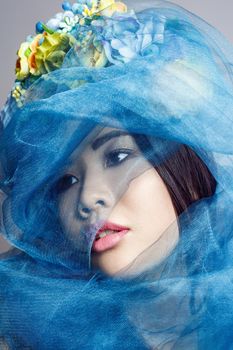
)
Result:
{"points": [[86, 144], [101, 131], [97, 133]]}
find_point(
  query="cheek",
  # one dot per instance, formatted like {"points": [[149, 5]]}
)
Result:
{"points": [[148, 202], [66, 210]]}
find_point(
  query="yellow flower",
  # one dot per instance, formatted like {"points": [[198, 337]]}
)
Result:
{"points": [[105, 3], [32, 59], [88, 12], [105, 8], [108, 7], [18, 94], [51, 53], [22, 67], [46, 52]]}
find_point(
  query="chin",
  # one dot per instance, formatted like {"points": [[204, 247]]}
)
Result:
{"points": [[110, 264]]}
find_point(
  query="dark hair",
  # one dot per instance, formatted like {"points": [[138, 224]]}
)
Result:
{"points": [[185, 175], [187, 178]]}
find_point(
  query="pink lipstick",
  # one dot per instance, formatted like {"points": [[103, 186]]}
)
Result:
{"points": [[108, 236]]}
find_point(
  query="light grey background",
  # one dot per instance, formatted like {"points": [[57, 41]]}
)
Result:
{"points": [[18, 18]]}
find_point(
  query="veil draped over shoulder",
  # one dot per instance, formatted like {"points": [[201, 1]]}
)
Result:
{"points": [[158, 71]]}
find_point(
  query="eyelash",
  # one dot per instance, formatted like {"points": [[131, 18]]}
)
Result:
{"points": [[117, 152], [67, 181]]}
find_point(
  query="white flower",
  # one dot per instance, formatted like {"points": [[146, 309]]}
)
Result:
{"points": [[63, 22]]}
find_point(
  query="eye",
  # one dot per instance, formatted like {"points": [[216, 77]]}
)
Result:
{"points": [[116, 157], [65, 183]]}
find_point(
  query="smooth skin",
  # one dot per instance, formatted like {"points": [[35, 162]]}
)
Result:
{"points": [[111, 178]]}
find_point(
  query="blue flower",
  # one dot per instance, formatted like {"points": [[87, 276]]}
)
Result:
{"points": [[78, 8], [124, 37]]}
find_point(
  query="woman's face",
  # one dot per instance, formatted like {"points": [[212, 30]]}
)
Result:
{"points": [[109, 180]]}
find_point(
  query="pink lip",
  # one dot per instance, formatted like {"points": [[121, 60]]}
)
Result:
{"points": [[110, 240]]}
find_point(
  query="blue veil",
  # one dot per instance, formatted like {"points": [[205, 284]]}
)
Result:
{"points": [[174, 85]]}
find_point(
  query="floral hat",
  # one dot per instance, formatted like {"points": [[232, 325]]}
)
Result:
{"points": [[101, 32]]}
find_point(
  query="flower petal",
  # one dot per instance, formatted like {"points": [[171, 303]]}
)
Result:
{"points": [[127, 52], [53, 23], [117, 44]]}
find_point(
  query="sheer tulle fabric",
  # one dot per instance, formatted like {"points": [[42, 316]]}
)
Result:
{"points": [[51, 297]]}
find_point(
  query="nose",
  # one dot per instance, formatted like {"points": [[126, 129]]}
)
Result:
{"points": [[94, 199], [85, 210]]}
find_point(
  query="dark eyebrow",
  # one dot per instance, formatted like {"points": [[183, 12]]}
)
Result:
{"points": [[105, 138]]}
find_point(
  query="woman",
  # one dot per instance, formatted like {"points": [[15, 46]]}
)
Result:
{"points": [[116, 172], [87, 188]]}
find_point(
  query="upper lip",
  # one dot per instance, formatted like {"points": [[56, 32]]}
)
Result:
{"points": [[111, 226]]}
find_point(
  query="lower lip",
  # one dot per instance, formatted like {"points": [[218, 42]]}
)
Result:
{"points": [[108, 241]]}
